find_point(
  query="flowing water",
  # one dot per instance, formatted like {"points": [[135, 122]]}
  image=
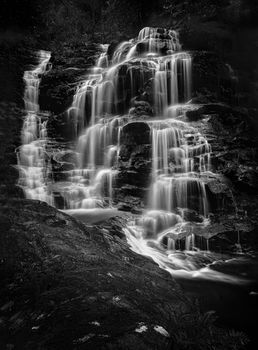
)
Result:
{"points": [[34, 168], [172, 229]]}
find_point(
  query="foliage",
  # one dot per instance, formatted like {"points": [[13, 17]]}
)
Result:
{"points": [[119, 19], [236, 11], [107, 20], [192, 329], [61, 20]]}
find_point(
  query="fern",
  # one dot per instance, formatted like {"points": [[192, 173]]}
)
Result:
{"points": [[192, 329]]}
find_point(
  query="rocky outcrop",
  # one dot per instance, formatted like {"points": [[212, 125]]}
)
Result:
{"points": [[10, 128], [73, 285], [212, 79], [134, 165], [66, 284], [69, 67], [231, 132]]}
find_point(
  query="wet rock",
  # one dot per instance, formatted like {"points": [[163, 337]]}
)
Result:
{"points": [[111, 48], [130, 203], [134, 164], [232, 135], [203, 109], [233, 234], [140, 109], [135, 133], [190, 215], [123, 207], [128, 90]]}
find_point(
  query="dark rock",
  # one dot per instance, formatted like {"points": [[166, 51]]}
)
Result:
{"points": [[190, 215], [244, 177], [202, 110], [74, 284], [134, 169], [15, 58], [69, 66], [123, 207], [10, 129], [140, 109], [211, 77], [111, 48], [135, 133]]}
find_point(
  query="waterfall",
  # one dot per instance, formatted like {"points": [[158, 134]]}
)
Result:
{"points": [[91, 182], [180, 158], [180, 154], [176, 166], [34, 168], [172, 73], [177, 209]]}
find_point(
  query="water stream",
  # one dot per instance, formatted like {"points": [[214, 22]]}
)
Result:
{"points": [[34, 168]]}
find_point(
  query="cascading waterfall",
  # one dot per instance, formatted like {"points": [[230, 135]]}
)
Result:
{"points": [[176, 166], [177, 186], [178, 204], [34, 169], [107, 91], [180, 161], [172, 73], [112, 83], [180, 154], [91, 183]]}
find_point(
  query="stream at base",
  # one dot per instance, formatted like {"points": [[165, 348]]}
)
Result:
{"points": [[235, 305]]}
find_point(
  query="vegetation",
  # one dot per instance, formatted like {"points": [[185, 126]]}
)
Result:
{"points": [[107, 20], [192, 329], [69, 19]]}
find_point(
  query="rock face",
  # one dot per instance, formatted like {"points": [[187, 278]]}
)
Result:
{"points": [[15, 57], [10, 128], [212, 78], [64, 284], [134, 165], [69, 65], [232, 134]]}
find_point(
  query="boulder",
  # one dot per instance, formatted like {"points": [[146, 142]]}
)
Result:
{"points": [[135, 133], [134, 165]]}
